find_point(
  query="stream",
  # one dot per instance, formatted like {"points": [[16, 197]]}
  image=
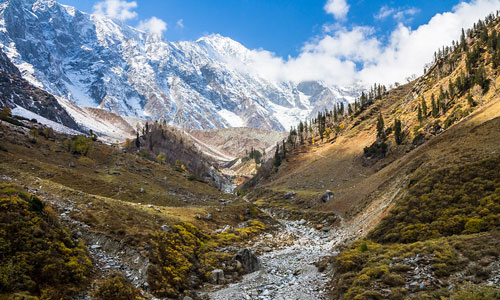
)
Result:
{"points": [[288, 271]]}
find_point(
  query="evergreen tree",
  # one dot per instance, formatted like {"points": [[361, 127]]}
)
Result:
{"points": [[434, 106], [362, 99], [463, 42], [93, 136], [301, 127], [470, 100], [451, 89], [397, 132], [137, 142], [380, 127], [284, 149], [444, 108], [419, 115], [481, 79], [496, 57], [424, 108], [277, 156]]}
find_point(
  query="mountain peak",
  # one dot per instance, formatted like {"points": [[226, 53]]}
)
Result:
{"points": [[98, 61], [214, 37], [224, 46]]}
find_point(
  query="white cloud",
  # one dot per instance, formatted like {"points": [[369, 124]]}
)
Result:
{"points": [[406, 14], [180, 24], [384, 12], [338, 8], [345, 56], [398, 14], [153, 25], [116, 9]]}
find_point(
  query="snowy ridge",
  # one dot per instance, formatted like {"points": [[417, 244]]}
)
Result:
{"points": [[94, 61], [20, 111], [109, 126]]}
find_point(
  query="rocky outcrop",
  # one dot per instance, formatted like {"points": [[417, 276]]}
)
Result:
{"points": [[249, 261], [327, 196], [15, 91], [218, 276]]}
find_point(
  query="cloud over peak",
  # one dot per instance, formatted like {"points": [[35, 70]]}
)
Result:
{"points": [[153, 25], [116, 9]]}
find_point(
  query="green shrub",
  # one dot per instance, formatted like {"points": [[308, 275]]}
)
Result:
{"points": [[179, 166], [477, 292], [37, 255], [161, 158], [363, 247], [117, 287], [376, 150], [172, 259], [474, 225], [6, 115], [81, 145], [445, 202], [184, 251], [393, 280]]}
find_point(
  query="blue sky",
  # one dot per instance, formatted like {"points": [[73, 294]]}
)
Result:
{"points": [[340, 42], [280, 26]]}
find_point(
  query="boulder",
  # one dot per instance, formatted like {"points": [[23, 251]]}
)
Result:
{"points": [[248, 260], [218, 276], [327, 196], [289, 195]]}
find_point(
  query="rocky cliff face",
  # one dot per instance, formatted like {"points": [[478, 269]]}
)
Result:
{"points": [[15, 91], [97, 62]]}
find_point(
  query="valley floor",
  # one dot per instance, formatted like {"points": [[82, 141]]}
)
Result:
{"points": [[289, 261]]}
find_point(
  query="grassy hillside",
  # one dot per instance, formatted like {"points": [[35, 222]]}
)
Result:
{"points": [[333, 156], [149, 217], [38, 256], [422, 185]]}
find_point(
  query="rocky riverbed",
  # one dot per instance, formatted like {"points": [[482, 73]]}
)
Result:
{"points": [[288, 271]]}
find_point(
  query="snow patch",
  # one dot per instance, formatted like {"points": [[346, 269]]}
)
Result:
{"points": [[233, 119], [108, 130], [21, 111], [289, 117]]}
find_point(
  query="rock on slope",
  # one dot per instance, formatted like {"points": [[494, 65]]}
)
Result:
{"points": [[98, 62]]}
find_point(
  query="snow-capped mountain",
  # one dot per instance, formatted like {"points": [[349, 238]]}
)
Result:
{"points": [[98, 62]]}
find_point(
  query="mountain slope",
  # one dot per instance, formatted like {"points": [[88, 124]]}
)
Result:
{"points": [[421, 196], [15, 91], [238, 141], [97, 62]]}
